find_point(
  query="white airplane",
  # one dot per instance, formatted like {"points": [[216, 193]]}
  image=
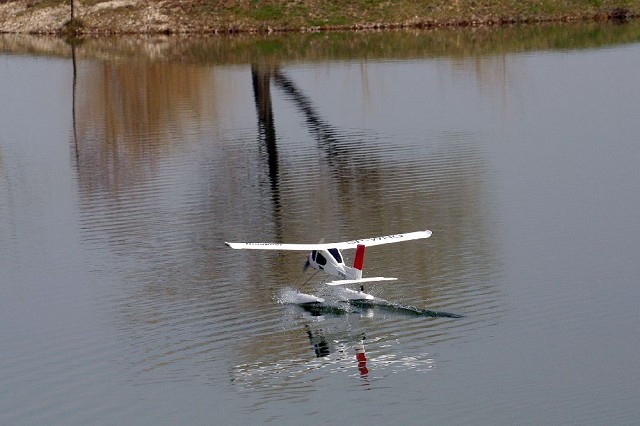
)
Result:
{"points": [[327, 257]]}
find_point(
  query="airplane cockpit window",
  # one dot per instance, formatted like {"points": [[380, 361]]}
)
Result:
{"points": [[321, 260], [313, 255], [336, 254]]}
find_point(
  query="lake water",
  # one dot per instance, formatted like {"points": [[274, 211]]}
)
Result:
{"points": [[126, 164]]}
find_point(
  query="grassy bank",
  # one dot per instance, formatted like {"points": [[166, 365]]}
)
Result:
{"points": [[222, 16]]}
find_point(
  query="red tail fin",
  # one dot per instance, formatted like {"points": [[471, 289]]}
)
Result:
{"points": [[358, 263]]}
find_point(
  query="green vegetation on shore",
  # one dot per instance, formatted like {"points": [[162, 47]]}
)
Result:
{"points": [[349, 13], [206, 16]]}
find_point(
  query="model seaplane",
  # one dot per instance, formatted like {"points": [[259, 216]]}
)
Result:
{"points": [[326, 257]]}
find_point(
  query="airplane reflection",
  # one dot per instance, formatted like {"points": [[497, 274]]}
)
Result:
{"points": [[318, 341], [337, 340], [361, 357], [325, 343], [322, 347]]}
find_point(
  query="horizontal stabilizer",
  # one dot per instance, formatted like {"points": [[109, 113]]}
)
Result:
{"points": [[361, 280]]}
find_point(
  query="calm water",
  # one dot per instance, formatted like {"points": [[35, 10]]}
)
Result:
{"points": [[119, 183]]}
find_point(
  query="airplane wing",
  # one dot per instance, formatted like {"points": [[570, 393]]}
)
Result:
{"points": [[396, 238], [278, 246]]}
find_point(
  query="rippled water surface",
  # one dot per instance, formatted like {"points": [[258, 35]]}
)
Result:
{"points": [[122, 175]]}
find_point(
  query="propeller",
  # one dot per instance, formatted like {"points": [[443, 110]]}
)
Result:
{"points": [[306, 263]]}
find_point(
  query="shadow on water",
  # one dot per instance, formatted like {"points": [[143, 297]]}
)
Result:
{"points": [[371, 307]]}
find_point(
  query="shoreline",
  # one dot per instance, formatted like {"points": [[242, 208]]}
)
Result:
{"points": [[130, 17]]}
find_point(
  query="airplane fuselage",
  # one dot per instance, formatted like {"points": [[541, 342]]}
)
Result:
{"points": [[331, 262]]}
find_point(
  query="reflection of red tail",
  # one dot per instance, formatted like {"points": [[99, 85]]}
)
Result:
{"points": [[358, 263], [361, 356]]}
